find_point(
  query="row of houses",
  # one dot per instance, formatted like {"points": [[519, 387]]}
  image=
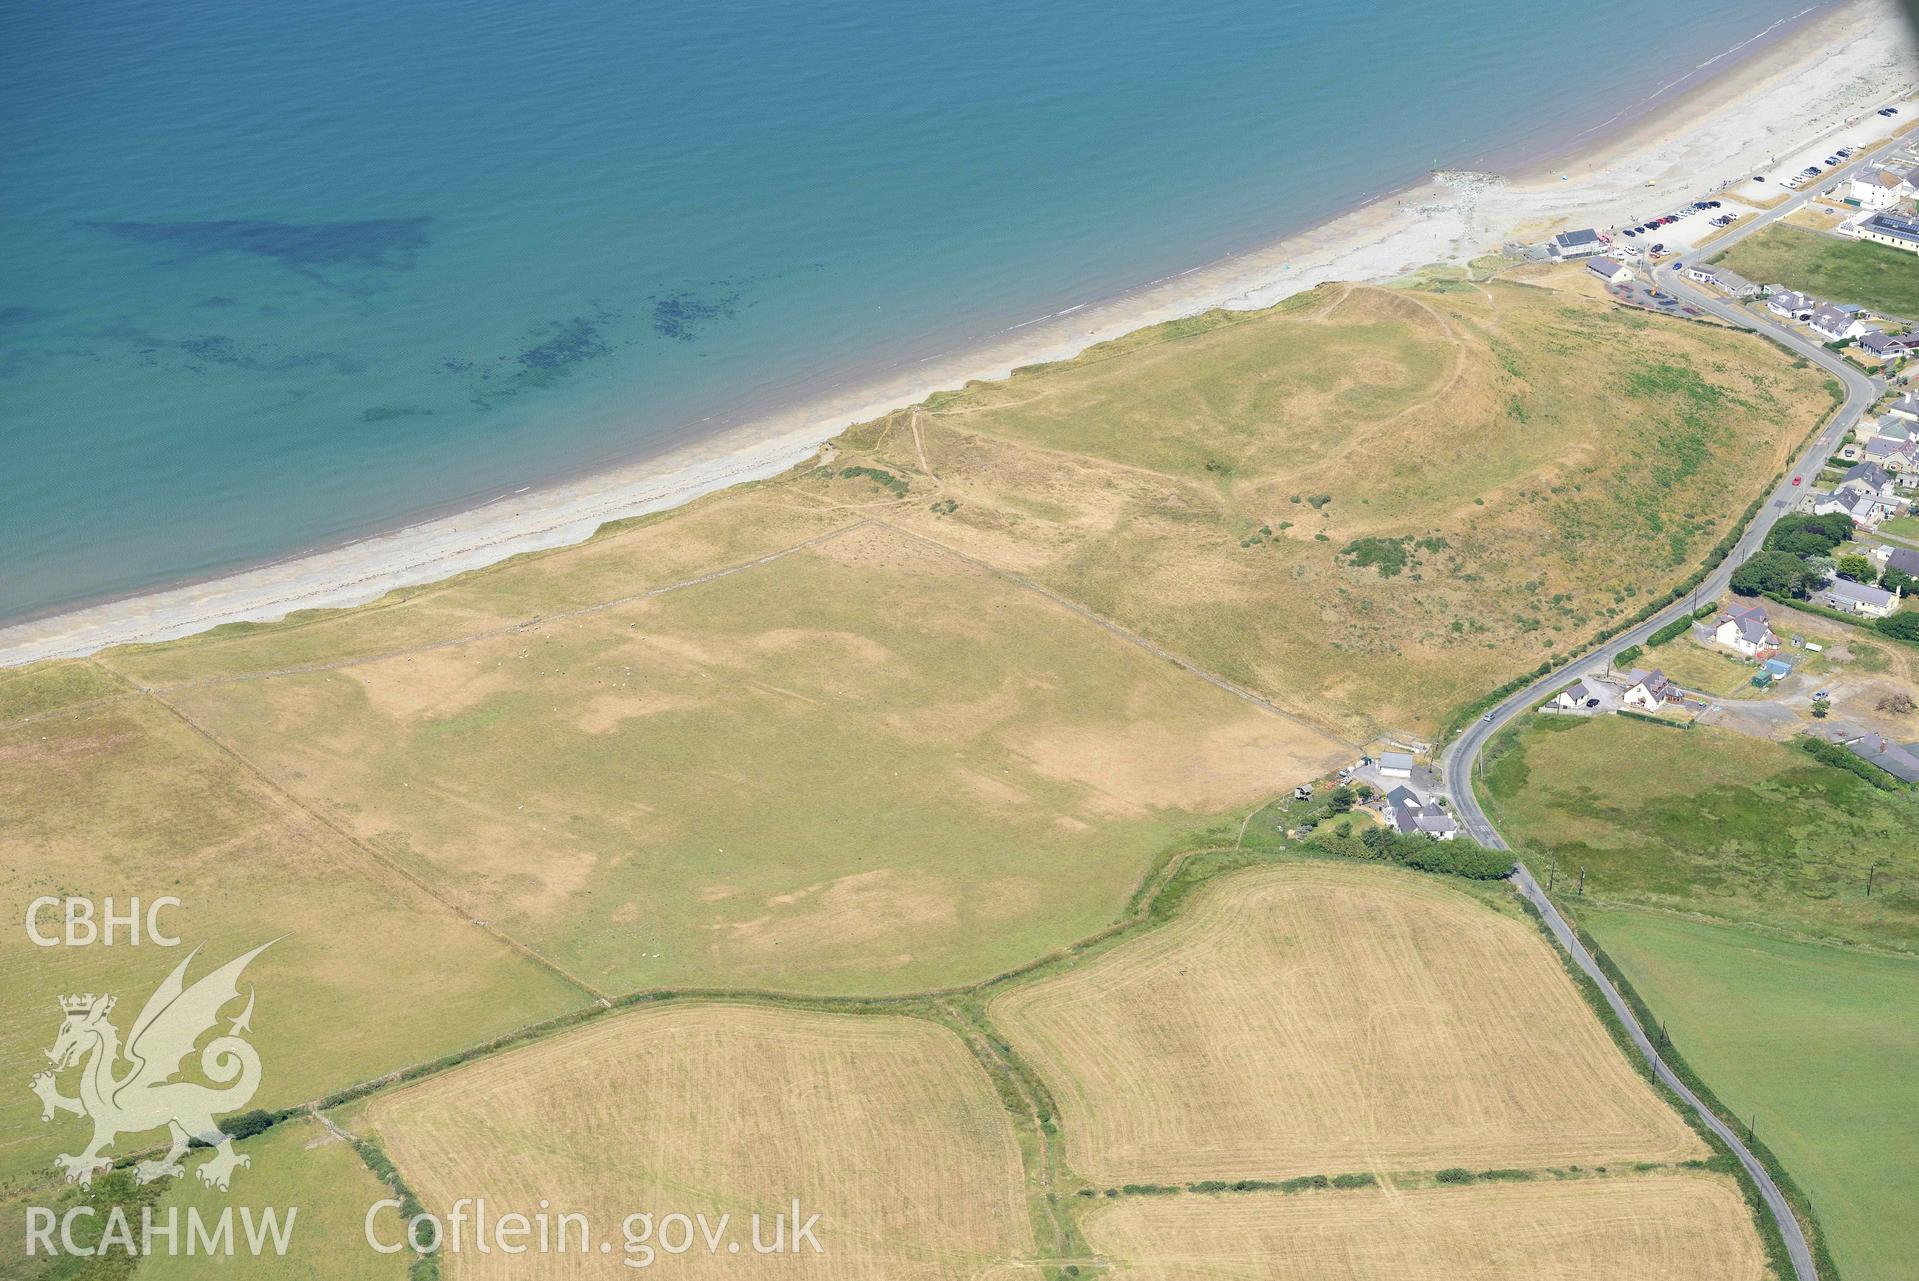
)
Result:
{"points": [[1831, 321], [1867, 492]]}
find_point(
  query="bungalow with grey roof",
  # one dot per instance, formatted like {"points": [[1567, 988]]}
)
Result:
{"points": [[1888, 347], [1866, 478], [1613, 273], [1857, 598], [1410, 817], [1833, 322], [1900, 762], [1576, 697], [1725, 280], [1791, 304], [1906, 407], [1893, 455], [1903, 559]]}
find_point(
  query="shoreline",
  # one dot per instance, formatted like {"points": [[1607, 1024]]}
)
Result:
{"points": [[1787, 87]]}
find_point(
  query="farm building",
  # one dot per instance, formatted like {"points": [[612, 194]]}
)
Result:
{"points": [[1395, 764]]}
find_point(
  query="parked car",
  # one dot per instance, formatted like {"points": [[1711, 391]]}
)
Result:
{"points": [[1759, 177], [1797, 479], [1658, 249]]}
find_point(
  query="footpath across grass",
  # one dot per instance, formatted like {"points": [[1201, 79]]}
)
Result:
{"points": [[1814, 1044]]}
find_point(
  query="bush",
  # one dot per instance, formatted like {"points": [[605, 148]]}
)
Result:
{"points": [[1840, 758], [1629, 655], [1901, 626], [1455, 1174], [1671, 631]]}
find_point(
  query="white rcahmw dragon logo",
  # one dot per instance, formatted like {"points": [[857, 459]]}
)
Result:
{"points": [[145, 1096]]}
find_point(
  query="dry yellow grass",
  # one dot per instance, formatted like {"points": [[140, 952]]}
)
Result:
{"points": [[1660, 1227], [1540, 463], [884, 1126], [1325, 1019], [868, 766], [369, 974]]}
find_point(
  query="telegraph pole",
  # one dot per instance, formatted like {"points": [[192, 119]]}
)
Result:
{"points": [[1870, 873], [1581, 891]]}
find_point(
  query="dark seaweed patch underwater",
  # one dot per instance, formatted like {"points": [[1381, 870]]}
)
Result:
{"points": [[387, 244]]}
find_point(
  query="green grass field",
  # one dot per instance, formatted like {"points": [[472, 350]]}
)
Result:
{"points": [[1708, 821], [1901, 527], [1876, 277], [296, 1166], [1818, 1042]]}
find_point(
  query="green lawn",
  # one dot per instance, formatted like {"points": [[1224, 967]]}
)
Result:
{"points": [[1901, 527], [1819, 1042], [1874, 276], [1708, 821]]}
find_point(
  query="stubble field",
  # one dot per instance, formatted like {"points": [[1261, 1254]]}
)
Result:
{"points": [[1670, 1227], [1324, 1018], [884, 1126]]}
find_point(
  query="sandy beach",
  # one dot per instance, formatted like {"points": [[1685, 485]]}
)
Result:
{"points": [[1693, 138]]}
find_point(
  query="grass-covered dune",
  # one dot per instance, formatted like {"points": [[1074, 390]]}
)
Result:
{"points": [[1370, 504]]}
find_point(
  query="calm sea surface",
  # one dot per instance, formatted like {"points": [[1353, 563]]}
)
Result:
{"points": [[272, 275]]}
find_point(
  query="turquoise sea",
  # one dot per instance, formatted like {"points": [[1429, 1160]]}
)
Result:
{"points": [[275, 275]]}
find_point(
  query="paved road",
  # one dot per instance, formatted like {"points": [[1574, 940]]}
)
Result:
{"points": [[1461, 756]]}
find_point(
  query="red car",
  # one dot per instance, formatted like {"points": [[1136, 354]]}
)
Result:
{"points": [[1797, 479]]}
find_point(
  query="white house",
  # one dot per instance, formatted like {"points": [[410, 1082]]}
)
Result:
{"points": [[1865, 509], [1577, 697], [1858, 598], [1866, 478], [1583, 243], [1649, 691], [1833, 321], [1745, 631], [1412, 817], [1395, 764], [1906, 407], [1791, 304], [1881, 188], [1613, 273], [1725, 281], [1888, 347]]}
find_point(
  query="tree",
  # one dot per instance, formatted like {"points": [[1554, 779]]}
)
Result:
{"points": [[1898, 580], [1855, 567], [1810, 535], [1902, 626], [1771, 573], [1820, 706], [1341, 800]]}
